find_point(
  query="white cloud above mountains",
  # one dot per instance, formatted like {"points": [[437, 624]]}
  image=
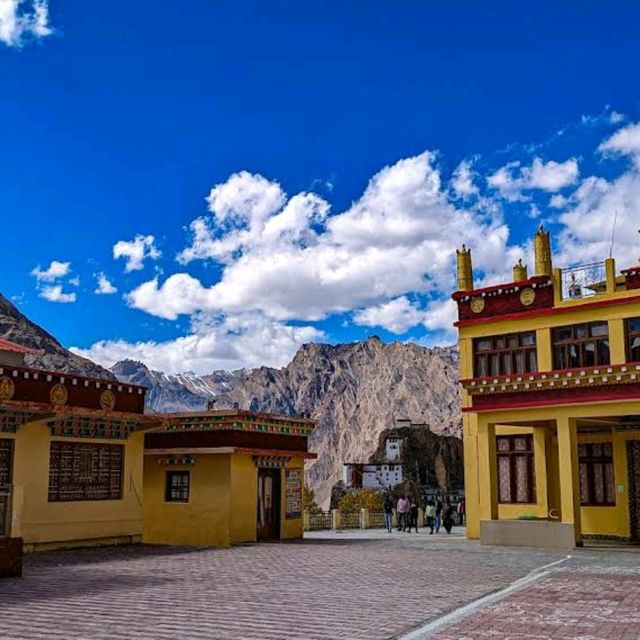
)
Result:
{"points": [[54, 271], [513, 180], [387, 260], [49, 282], [104, 286], [136, 251], [23, 20], [231, 342], [625, 141], [286, 258]]}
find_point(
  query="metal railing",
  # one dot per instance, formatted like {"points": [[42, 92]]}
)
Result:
{"points": [[320, 520], [584, 281], [376, 520], [5, 510], [351, 520]]}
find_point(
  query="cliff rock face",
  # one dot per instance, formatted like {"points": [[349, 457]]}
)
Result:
{"points": [[16, 327], [354, 391], [430, 460]]}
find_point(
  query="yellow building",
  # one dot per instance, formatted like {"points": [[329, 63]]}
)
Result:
{"points": [[71, 455], [550, 376], [218, 478]]}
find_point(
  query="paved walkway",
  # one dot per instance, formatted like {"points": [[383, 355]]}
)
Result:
{"points": [[357, 585]]}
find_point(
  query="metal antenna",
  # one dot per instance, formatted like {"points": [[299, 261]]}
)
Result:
{"points": [[613, 233]]}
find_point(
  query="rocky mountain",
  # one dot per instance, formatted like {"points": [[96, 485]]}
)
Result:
{"points": [[182, 392], [354, 391], [16, 327]]}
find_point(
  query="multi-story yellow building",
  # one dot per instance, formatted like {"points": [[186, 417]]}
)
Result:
{"points": [[550, 376]]}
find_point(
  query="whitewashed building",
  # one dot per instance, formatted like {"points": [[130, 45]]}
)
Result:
{"points": [[383, 475]]}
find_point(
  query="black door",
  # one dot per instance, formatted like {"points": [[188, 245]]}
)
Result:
{"points": [[6, 455], [268, 504], [633, 460]]}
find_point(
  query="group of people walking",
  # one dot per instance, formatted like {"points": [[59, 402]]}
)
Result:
{"points": [[436, 514]]}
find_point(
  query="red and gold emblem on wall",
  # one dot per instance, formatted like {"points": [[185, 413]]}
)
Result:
{"points": [[107, 400], [7, 388], [477, 304], [527, 296], [58, 394]]}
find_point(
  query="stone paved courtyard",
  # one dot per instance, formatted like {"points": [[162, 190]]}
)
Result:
{"points": [[360, 585]]}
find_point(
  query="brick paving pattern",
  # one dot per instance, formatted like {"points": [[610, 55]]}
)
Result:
{"points": [[564, 605], [346, 588]]}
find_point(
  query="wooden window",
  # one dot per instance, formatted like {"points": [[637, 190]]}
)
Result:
{"points": [[633, 339], [597, 481], [85, 471], [516, 472], [177, 486], [581, 345], [505, 355], [6, 451]]}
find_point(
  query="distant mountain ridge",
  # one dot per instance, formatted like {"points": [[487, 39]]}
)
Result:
{"points": [[354, 391]]}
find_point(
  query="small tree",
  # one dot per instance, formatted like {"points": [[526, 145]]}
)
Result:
{"points": [[361, 499], [309, 500]]}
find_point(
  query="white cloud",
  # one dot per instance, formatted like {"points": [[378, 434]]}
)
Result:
{"points": [[21, 20], [512, 179], [136, 251], [588, 221], [607, 117], [625, 141], [288, 260], [397, 316], [232, 342], [462, 181], [54, 271], [54, 293], [105, 287]]}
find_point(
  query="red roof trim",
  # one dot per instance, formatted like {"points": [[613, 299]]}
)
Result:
{"points": [[7, 345], [547, 312], [507, 285]]}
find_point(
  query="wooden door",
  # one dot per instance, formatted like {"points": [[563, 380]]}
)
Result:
{"points": [[633, 460], [6, 455], [6, 451], [268, 504]]}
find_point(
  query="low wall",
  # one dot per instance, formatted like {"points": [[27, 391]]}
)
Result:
{"points": [[10, 557], [544, 534]]}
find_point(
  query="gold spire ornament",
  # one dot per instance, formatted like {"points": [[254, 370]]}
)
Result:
{"points": [[520, 272], [465, 269], [542, 251]]}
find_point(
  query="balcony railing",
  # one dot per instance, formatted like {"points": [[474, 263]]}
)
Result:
{"points": [[584, 281]]}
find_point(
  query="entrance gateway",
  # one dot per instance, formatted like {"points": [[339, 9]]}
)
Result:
{"points": [[633, 459]]}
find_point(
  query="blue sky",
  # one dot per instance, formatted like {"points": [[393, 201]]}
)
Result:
{"points": [[270, 174]]}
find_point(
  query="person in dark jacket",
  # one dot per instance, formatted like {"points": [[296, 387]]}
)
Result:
{"points": [[388, 513], [447, 516], [413, 516], [438, 519]]}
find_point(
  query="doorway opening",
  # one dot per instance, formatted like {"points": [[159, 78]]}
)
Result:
{"points": [[268, 521], [633, 460]]}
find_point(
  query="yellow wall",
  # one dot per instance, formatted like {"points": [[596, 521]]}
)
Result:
{"points": [[204, 520], [605, 521], [222, 507], [244, 499], [40, 522], [613, 521]]}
